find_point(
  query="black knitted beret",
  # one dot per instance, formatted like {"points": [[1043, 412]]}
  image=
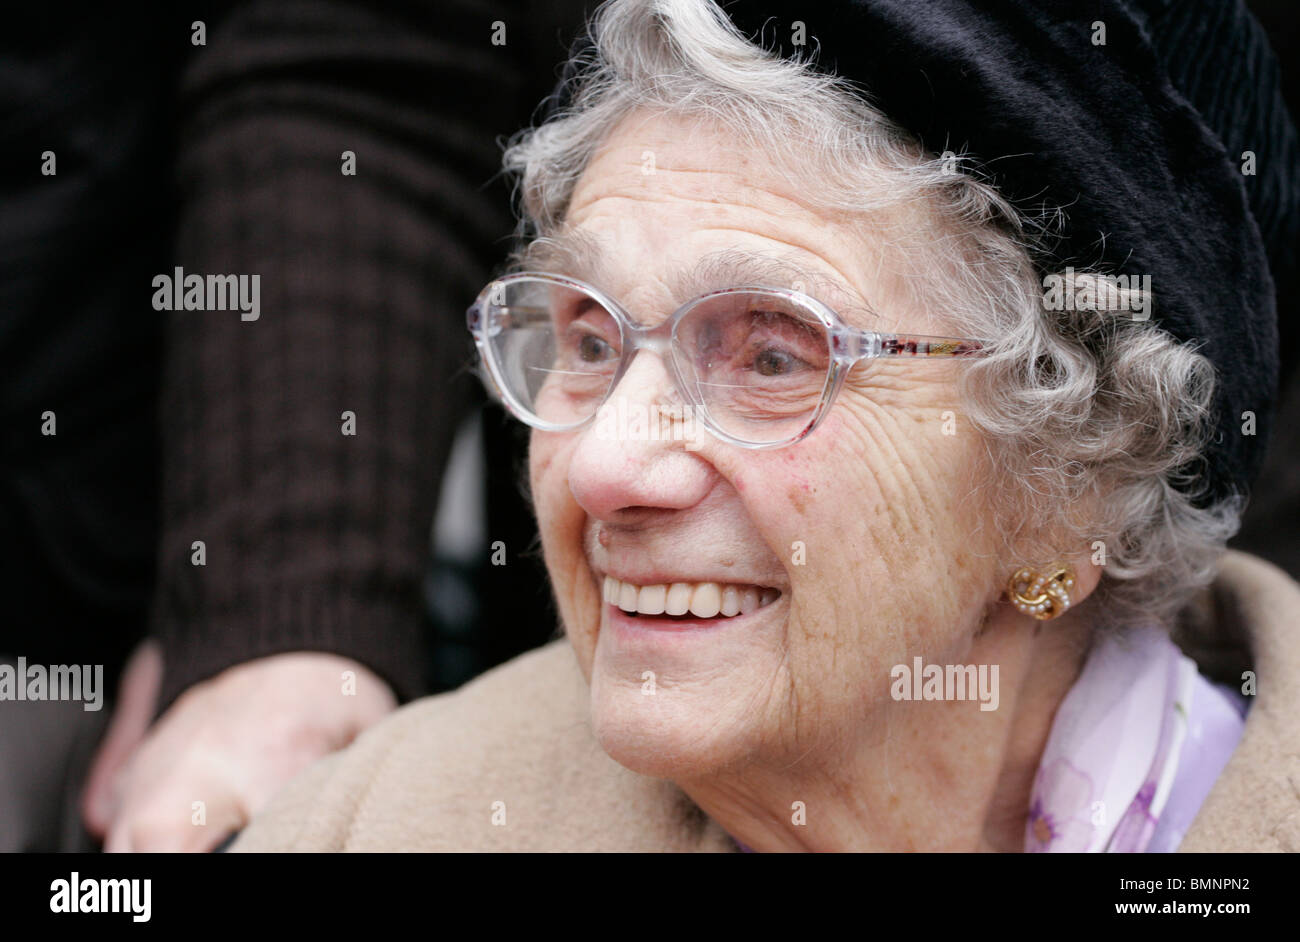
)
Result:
{"points": [[1140, 140]]}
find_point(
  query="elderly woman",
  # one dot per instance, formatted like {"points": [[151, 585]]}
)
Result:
{"points": [[885, 428]]}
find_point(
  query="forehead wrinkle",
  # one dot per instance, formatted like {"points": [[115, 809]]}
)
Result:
{"points": [[578, 253], [582, 254], [729, 268]]}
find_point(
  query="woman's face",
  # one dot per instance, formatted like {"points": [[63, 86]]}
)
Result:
{"points": [[866, 538]]}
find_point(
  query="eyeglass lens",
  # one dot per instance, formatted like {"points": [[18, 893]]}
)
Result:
{"points": [[756, 362]]}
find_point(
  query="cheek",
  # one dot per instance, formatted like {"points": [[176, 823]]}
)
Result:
{"points": [[874, 523], [560, 523], [817, 488], [801, 501], [915, 470]]}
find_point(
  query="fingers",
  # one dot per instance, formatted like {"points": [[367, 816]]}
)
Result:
{"points": [[226, 746], [171, 820], [183, 788], [137, 699], [188, 794], [183, 791]]}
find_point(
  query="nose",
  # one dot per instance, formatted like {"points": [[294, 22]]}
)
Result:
{"points": [[632, 458]]}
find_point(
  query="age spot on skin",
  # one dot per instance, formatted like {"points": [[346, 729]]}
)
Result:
{"points": [[799, 494]]}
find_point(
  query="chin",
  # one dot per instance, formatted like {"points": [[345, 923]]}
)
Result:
{"points": [[671, 734]]}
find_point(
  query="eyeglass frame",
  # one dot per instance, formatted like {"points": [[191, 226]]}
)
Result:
{"points": [[848, 346]]}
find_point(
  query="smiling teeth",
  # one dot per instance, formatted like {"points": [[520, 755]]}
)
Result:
{"points": [[701, 599]]}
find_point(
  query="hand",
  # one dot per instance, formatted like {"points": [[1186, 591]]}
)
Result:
{"points": [[226, 745]]}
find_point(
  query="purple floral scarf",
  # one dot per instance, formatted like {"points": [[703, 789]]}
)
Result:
{"points": [[1134, 749]]}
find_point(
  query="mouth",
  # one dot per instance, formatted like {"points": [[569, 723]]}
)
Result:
{"points": [[686, 603]]}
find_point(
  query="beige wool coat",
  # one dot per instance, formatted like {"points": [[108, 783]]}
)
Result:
{"points": [[509, 763]]}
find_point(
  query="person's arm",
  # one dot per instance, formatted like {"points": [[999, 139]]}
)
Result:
{"points": [[314, 540]]}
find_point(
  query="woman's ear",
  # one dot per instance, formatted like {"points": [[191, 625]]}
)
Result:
{"points": [[1087, 576]]}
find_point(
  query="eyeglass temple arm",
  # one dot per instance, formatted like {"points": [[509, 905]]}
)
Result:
{"points": [[517, 315], [870, 345]]}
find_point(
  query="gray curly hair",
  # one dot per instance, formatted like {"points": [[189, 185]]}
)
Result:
{"points": [[1095, 419]]}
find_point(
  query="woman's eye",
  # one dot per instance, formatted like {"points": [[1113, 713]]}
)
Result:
{"points": [[591, 349], [776, 362]]}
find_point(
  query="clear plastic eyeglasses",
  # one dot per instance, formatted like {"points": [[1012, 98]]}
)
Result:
{"points": [[759, 366]]}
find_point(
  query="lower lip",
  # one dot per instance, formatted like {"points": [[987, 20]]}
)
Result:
{"points": [[659, 623]]}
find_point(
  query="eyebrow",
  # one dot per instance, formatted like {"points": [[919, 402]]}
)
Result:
{"points": [[582, 255]]}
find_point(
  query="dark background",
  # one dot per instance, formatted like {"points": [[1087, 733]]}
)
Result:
{"points": [[1273, 518]]}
